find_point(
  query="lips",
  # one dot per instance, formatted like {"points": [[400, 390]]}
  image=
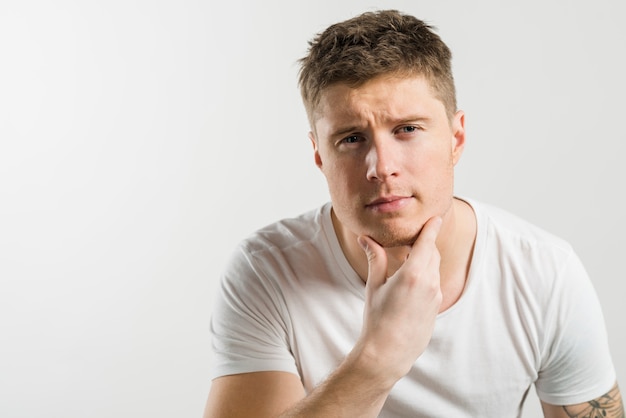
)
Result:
{"points": [[388, 203]]}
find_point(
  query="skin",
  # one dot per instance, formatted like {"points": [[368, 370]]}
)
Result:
{"points": [[388, 150], [609, 405]]}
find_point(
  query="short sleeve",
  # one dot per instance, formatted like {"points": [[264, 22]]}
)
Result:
{"points": [[249, 325], [576, 365]]}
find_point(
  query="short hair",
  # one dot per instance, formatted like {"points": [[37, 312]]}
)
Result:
{"points": [[385, 42]]}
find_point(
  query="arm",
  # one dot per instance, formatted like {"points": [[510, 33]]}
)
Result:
{"points": [[608, 405], [346, 393], [389, 344], [262, 394]]}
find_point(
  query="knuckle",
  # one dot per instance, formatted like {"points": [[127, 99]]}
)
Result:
{"points": [[433, 288]]}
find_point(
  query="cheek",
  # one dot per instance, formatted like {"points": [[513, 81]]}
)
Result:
{"points": [[338, 180], [343, 182], [432, 171]]}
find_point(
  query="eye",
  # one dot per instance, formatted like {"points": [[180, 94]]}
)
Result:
{"points": [[352, 139], [409, 129]]}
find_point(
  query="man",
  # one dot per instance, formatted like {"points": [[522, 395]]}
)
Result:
{"points": [[397, 298]]}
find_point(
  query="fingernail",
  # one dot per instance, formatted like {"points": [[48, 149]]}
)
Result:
{"points": [[362, 243]]}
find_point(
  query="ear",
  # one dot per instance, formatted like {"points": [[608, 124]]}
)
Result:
{"points": [[458, 136], [316, 151]]}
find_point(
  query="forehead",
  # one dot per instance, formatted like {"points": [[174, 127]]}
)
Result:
{"points": [[384, 97]]}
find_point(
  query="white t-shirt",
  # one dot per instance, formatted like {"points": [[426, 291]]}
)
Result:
{"points": [[290, 301]]}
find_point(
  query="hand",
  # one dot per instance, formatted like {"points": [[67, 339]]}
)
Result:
{"points": [[400, 311]]}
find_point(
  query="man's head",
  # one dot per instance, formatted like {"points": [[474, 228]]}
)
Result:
{"points": [[373, 44], [384, 129]]}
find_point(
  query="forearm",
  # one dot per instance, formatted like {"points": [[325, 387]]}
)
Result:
{"points": [[355, 388], [398, 322]]}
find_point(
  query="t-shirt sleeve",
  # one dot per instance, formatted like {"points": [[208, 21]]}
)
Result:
{"points": [[249, 325], [577, 365]]}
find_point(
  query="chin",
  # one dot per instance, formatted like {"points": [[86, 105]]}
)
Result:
{"points": [[390, 239]]}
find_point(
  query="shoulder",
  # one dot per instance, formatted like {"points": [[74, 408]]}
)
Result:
{"points": [[511, 248], [286, 233], [508, 229], [271, 253], [259, 265]]}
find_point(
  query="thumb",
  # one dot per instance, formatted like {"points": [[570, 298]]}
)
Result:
{"points": [[376, 261]]}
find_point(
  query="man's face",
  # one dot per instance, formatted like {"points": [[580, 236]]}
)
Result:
{"points": [[387, 150]]}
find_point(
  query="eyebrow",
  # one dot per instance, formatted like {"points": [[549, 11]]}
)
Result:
{"points": [[354, 128], [345, 131], [413, 119]]}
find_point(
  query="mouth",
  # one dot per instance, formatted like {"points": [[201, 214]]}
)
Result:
{"points": [[388, 204]]}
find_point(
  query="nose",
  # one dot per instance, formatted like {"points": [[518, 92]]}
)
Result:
{"points": [[381, 161]]}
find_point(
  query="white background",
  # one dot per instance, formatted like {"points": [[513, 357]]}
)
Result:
{"points": [[140, 140]]}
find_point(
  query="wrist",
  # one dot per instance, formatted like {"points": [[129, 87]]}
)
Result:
{"points": [[367, 363]]}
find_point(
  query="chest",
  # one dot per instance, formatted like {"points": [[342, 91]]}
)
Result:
{"points": [[481, 360]]}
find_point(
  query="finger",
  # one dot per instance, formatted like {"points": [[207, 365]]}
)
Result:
{"points": [[376, 261], [424, 245]]}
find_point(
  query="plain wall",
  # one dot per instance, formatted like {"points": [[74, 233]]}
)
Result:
{"points": [[140, 140]]}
